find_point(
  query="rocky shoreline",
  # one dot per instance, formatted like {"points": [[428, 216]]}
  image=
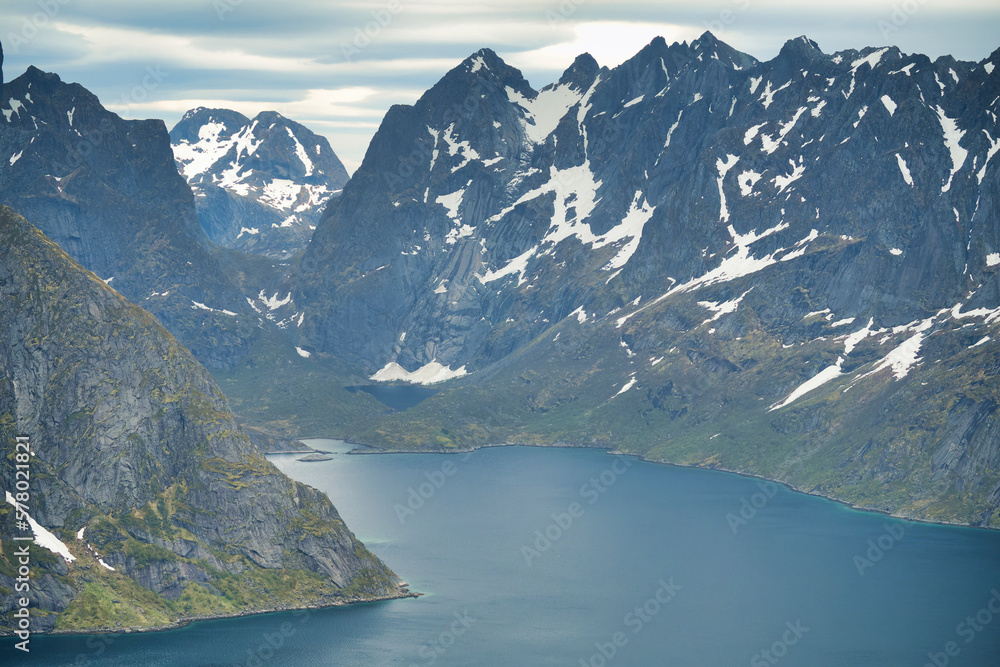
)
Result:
{"points": [[402, 593]]}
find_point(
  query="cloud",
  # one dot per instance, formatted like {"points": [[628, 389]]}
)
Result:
{"points": [[338, 66], [609, 42]]}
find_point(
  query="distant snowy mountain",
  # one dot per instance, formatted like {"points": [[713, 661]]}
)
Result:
{"points": [[260, 185]]}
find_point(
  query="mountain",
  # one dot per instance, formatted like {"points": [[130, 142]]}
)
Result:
{"points": [[108, 192], [260, 185], [786, 268], [149, 503]]}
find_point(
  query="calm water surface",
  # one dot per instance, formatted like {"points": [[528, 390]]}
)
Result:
{"points": [[576, 557]]}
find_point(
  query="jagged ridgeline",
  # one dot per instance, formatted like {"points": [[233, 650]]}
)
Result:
{"points": [[165, 509], [107, 190], [789, 267]]}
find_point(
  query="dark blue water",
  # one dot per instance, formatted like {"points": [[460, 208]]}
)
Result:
{"points": [[642, 565], [396, 396]]}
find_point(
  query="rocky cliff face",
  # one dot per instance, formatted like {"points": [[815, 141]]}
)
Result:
{"points": [[108, 192], [489, 204], [138, 465], [260, 185], [784, 267]]}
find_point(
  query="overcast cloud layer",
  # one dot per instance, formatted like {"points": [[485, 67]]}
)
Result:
{"points": [[338, 66]]}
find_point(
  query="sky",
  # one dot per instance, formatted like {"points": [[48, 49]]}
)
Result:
{"points": [[337, 66]]}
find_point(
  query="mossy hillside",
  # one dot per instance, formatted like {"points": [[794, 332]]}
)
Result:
{"points": [[284, 393], [706, 402], [134, 440]]}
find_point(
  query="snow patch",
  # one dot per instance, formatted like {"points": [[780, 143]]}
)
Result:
{"points": [[861, 114], [767, 97], [952, 136], [544, 112], [723, 308], [429, 373], [990, 152], [43, 537], [673, 127], [747, 180], [300, 152], [517, 265], [890, 106], [852, 340], [782, 182], [872, 59], [628, 385], [724, 168], [751, 133], [818, 380], [273, 303], [903, 169], [197, 305]]}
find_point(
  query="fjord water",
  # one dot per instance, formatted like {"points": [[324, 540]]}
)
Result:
{"points": [[632, 564]]}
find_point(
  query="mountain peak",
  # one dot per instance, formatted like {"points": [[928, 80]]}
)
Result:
{"points": [[484, 58], [581, 73], [801, 46], [706, 39]]}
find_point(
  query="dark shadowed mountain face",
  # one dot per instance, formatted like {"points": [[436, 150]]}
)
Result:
{"points": [[489, 211], [788, 268], [165, 508], [260, 185], [108, 192]]}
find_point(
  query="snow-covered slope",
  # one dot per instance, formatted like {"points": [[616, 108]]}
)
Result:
{"points": [[259, 184]]}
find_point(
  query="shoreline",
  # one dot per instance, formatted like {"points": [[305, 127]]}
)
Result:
{"points": [[375, 449], [401, 594]]}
